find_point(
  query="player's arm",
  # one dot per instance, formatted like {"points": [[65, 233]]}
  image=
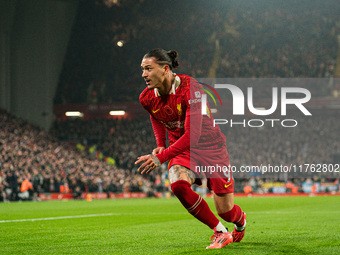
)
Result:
{"points": [[158, 128], [192, 133], [151, 161], [159, 131], [189, 138], [192, 130], [160, 135]]}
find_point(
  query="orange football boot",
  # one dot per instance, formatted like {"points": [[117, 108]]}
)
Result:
{"points": [[220, 240], [238, 235]]}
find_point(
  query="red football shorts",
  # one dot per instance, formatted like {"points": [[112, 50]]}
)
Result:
{"points": [[213, 164]]}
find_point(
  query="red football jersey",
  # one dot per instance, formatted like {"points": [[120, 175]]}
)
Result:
{"points": [[179, 113]]}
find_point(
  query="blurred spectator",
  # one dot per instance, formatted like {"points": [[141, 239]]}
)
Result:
{"points": [[26, 189]]}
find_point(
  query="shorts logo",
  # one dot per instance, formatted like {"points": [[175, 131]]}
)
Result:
{"points": [[154, 111], [226, 186]]}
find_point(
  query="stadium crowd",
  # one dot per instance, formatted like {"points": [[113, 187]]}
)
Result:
{"points": [[63, 161], [246, 41], [262, 40], [28, 153]]}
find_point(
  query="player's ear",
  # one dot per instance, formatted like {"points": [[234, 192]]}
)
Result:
{"points": [[166, 69]]}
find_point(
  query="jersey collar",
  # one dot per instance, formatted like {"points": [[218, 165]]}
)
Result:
{"points": [[174, 86]]}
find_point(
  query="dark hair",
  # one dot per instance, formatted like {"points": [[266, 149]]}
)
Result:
{"points": [[164, 57]]}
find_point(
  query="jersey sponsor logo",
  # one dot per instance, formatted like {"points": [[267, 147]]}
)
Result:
{"points": [[179, 109], [197, 94], [173, 124], [154, 111], [194, 101]]}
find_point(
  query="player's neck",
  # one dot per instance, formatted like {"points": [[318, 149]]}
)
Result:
{"points": [[167, 84]]}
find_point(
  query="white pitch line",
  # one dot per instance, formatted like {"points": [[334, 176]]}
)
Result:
{"points": [[61, 217], [160, 213], [291, 212], [86, 216]]}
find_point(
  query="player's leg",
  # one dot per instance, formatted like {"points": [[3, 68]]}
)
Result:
{"points": [[181, 179], [222, 183], [227, 210]]}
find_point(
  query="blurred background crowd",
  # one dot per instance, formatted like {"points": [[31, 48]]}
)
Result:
{"points": [[254, 39], [239, 40], [98, 155], [53, 165]]}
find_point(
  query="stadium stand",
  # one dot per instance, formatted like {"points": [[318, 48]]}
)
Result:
{"points": [[293, 40], [51, 165], [97, 155]]}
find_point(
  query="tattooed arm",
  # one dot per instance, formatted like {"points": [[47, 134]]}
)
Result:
{"points": [[150, 163]]}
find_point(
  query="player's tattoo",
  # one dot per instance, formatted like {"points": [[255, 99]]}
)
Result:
{"points": [[177, 172], [155, 160]]}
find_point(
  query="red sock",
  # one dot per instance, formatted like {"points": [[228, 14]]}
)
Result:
{"points": [[235, 216], [194, 203]]}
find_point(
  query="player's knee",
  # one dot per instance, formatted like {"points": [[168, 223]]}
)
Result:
{"points": [[179, 188], [228, 206], [224, 203]]}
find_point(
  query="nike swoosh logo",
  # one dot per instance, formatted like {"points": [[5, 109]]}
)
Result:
{"points": [[154, 111], [226, 186]]}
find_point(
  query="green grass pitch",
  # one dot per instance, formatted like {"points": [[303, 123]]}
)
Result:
{"points": [[275, 225]]}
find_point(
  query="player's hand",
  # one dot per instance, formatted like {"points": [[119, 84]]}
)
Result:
{"points": [[157, 150], [150, 163]]}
